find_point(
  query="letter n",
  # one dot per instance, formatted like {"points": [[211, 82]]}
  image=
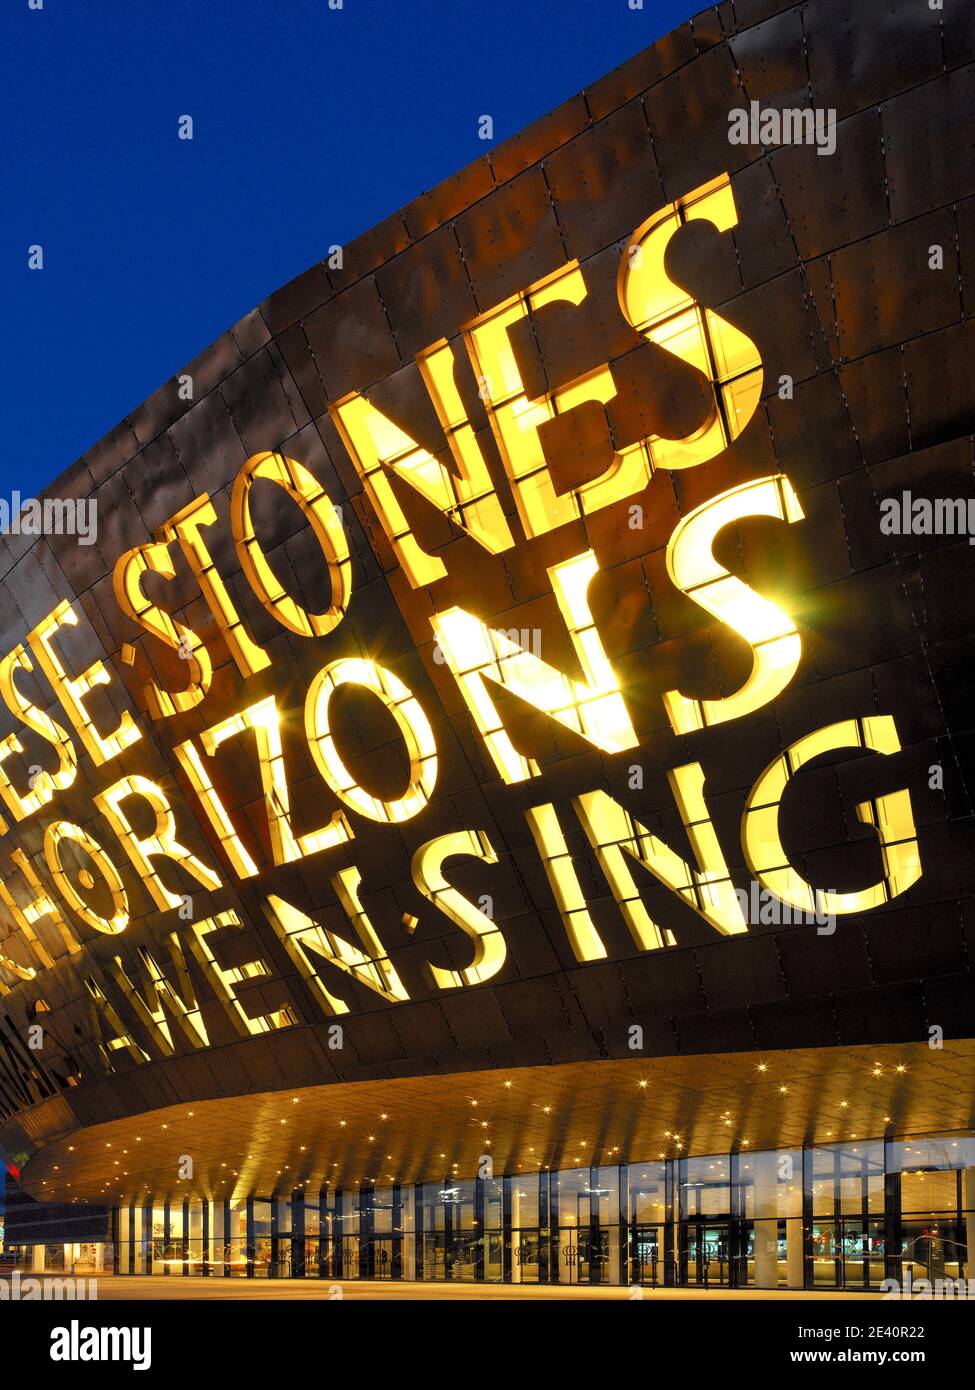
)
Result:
{"points": [[617, 836]]}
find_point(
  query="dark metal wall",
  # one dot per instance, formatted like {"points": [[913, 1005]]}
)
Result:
{"points": [[38, 1223], [827, 271]]}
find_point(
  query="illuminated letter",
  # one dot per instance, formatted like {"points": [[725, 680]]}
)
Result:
{"points": [[234, 848], [304, 939], [556, 860], [466, 497], [19, 972], [775, 643], [72, 692], [413, 724], [162, 843], [127, 583], [118, 1040], [890, 815], [672, 318], [475, 655], [428, 875], [614, 833], [223, 980], [39, 906], [45, 784], [149, 1006], [264, 720], [187, 525], [65, 830], [311, 497], [665, 314], [515, 419]]}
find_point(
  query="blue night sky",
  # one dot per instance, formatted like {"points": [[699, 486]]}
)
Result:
{"points": [[310, 125]]}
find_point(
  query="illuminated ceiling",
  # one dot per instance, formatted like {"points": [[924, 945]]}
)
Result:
{"points": [[560, 1117]]}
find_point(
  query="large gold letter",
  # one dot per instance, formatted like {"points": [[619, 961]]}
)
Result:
{"points": [[476, 654], [71, 692], [265, 722], [65, 830], [162, 843], [304, 939], [466, 497], [44, 784], [428, 875], [412, 722], [771, 634], [890, 815], [313, 500], [615, 834], [127, 583], [187, 526]]}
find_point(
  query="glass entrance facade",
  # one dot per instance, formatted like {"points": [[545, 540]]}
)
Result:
{"points": [[845, 1215], [831, 1216]]}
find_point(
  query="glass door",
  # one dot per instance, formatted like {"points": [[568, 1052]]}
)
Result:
{"points": [[705, 1252], [647, 1253], [349, 1256], [525, 1256], [574, 1255], [383, 1257]]}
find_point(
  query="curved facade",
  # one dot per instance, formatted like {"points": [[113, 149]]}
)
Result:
{"points": [[508, 730]]}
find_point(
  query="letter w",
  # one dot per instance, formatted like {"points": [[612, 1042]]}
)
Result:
{"points": [[148, 1004]]}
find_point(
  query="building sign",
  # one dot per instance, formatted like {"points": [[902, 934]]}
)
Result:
{"points": [[203, 723]]}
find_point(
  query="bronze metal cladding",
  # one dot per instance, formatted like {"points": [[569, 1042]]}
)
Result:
{"points": [[852, 274]]}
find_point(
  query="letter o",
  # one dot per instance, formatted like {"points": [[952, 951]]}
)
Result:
{"points": [[66, 830], [413, 724], [313, 500]]}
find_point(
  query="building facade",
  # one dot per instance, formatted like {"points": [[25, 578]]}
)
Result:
{"points": [[835, 1216], [486, 766]]}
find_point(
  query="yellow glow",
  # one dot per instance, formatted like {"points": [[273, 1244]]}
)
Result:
{"points": [[514, 418], [54, 836], [182, 1003], [187, 527], [234, 848], [412, 722], [476, 655], [466, 496], [311, 497], [40, 905], [224, 979], [116, 1040], [770, 633], [71, 692], [666, 315], [263, 720], [615, 834], [890, 815], [45, 784], [19, 972], [428, 875], [127, 576], [583, 937], [305, 940], [670, 317], [161, 844]]}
